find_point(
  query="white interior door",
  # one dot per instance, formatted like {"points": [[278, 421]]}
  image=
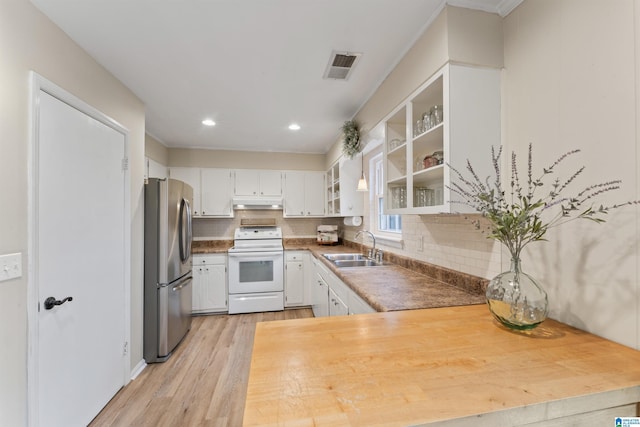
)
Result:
{"points": [[80, 253]]}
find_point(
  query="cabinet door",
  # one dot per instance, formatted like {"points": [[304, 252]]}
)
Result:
{"points": [[320, 304], [314, 194], [246, 182], [209, 286], [294, 284], [270, 183], [351, 201], [336, 306], [156, 170], [214, 294], [216, 192], [192, 177], [294, 194], [358, 306], [197, 284]]}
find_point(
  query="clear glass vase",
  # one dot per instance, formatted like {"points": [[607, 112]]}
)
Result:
{"points": [[516, 300]]}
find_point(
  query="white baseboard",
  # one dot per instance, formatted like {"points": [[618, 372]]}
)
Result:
{"points": [[138, 369]]}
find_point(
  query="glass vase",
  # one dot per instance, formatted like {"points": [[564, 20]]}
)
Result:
{"points": [[516, 300]]}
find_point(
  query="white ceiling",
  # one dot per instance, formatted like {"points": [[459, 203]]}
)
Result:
{"points": [[253, 66]]}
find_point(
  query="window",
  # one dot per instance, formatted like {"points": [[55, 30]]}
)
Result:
{"points": [[383, 223]]}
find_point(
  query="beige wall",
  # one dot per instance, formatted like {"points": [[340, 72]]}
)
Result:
{"points": [[570, 82], [155, 150], [245, 159], [458, 35], [565, 86], [29, 41], [474, 37]]}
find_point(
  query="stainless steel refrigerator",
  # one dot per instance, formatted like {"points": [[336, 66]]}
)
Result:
{"points": [[167, 266]]}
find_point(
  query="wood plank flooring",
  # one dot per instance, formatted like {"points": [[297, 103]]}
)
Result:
{"points": [[204, 383]]}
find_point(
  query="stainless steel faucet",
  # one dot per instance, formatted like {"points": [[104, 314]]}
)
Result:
{"points": [[372, 252]]}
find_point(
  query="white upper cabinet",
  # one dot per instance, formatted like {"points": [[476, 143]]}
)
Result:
{"points": [[453, 117], [192, 177], [154, 169], [212, 190], [303, 194], [341, 185], [216, 192], [258, 183]]}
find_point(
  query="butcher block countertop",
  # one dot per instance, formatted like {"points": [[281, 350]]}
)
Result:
{"points": [[451, 366]]}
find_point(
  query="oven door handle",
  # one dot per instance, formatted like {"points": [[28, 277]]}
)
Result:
{"points": [[255, 254]]}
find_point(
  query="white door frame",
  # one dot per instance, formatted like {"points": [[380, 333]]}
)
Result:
{"points": [[39, 83]]}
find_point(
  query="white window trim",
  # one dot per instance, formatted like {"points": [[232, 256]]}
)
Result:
{"points": [[391, 241], [387, 238]]}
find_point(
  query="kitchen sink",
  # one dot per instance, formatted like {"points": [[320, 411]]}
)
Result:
{"points": [[356, 263], [351, 260], [345, 257]]}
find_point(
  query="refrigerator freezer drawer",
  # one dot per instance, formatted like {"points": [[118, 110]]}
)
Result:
{"points": [[255, 303], [174, 314]]}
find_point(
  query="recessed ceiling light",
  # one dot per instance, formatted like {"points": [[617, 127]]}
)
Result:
{"points": [[294, 126], [208, 122]]}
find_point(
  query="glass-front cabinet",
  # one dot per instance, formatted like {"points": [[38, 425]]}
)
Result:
{"points": [[341, 184], [452, 117]]}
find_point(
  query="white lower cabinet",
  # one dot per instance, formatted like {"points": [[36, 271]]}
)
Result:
{"points": [[210, 293], [320, 291], [332, 297], [358, 306], [336, 306], [297, 279]]}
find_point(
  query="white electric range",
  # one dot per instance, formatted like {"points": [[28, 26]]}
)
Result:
{"points": [[256, 270]]}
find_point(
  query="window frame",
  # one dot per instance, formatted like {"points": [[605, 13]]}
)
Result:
{"points": [[376, 200]]}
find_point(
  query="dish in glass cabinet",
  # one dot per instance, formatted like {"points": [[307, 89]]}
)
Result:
{"points": [[395, 143]]}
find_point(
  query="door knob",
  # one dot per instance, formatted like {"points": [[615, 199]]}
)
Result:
{"points": [[51, 302]]}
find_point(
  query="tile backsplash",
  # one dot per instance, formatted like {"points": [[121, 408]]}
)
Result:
{"points": [[223, 228], [458, 242], [450, 241]]}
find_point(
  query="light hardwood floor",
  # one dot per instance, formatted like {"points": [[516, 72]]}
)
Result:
{"points": [[204, 383]]}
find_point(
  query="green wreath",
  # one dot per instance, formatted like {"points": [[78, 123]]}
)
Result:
{"points": [[351, 143]]}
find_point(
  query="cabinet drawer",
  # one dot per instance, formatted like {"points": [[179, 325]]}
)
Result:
{"points": [[294, 256], [209, 259]]}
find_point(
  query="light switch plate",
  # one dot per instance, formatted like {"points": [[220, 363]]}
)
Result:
{"points": [[10, 266]]}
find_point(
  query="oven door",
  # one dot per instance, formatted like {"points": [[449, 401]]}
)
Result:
{"points": [[251, 272]]}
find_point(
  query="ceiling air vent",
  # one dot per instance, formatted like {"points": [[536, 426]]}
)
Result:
{"points": [[341, 64]]}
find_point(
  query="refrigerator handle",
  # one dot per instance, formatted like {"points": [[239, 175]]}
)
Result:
{"points": [[185, 234], [184, 282]]}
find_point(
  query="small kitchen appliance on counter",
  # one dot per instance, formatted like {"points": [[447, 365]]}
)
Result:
{"points": [[327, 235]]}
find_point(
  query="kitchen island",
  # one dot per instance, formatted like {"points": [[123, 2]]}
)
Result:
{"points": [[452, 366]]}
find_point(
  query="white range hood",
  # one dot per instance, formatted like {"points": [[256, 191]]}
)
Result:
{"points": [[257, 203]]}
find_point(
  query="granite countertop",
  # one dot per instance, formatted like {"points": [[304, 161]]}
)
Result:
{"points": [[203, 247], [392, 287], [400, 284]]}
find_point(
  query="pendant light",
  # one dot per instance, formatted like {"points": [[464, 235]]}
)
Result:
{"points": [[362, 183]]}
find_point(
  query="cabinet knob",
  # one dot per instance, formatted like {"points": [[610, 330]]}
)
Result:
{"points": [[204, 213], [301, 213]]}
